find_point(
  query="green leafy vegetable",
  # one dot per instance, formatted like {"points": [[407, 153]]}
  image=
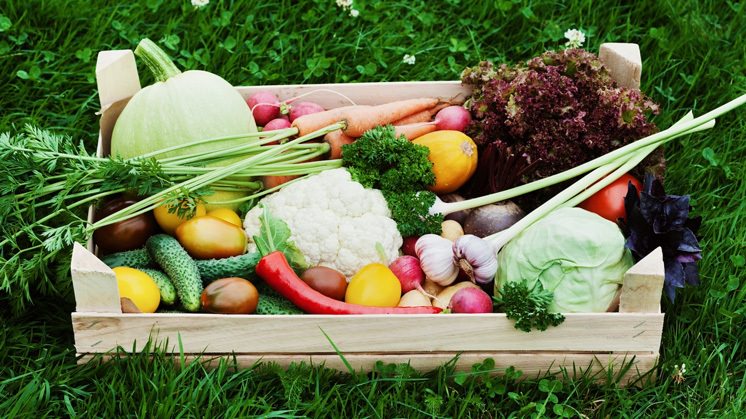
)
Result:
{"points": [[275, 236], [410, 210], [529, 308]]}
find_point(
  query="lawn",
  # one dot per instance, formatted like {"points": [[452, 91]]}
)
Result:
{"points": [[694, 57]]}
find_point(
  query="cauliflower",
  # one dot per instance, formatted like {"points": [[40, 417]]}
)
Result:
{"points": [[334, 221]]}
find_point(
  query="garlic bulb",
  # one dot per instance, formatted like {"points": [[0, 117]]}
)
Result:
{"points": [[476, 257], [436, 259]]}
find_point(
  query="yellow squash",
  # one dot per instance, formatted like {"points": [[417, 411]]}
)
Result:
{"points": [[454, 158]]}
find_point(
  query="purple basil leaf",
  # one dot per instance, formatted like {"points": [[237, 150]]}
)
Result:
{"points": [[692, 273]]}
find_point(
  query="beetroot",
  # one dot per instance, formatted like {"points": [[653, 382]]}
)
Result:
{"points": [[471, 300], [265, 106]]}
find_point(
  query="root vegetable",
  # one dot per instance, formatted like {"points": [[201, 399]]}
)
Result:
{"points": [[360, 121], [422, 116], [277, 123], [407, 269], [304, 108], [412, 131], [443, 299], [451, 230], [431, 287], [453, 118], [470, 300], [408, 247], [265, 106], [337, 139], [459, 216], [414, 298], [490, 219]]}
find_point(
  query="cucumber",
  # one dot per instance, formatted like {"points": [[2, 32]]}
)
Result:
{"points": [[177, 264], [241, 266], [168, 291], [138, 258], [270, 302]]}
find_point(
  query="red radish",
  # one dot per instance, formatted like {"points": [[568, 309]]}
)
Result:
{"points": [[304, 108], [277, 123], [265, 106], [407, 269], [453, 118], [470, 300], [408, 248]]}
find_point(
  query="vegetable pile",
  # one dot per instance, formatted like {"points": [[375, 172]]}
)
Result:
{"points": [[361, 209]]}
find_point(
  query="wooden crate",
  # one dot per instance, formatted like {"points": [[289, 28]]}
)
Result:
{"points": [[625, 343]]}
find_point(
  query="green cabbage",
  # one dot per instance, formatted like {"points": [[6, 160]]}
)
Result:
{"points": [[576, 254]]}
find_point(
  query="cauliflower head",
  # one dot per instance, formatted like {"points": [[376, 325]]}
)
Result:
{"points": [[334, 221]]}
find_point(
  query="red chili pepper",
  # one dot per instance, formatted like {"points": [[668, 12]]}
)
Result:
{"points": [[277, 273]]}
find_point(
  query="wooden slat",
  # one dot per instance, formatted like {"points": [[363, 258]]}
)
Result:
{"points": [[596, 366], [626, 332], [365, 93], [643, 285]]}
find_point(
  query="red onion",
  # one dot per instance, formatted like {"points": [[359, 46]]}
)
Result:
{"points": [[470, 300], [407, 269]]}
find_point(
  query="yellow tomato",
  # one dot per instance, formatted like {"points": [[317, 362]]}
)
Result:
{"points": [[208, 237], [374, 285], [170, 220], [139, 287], [226, 214]]}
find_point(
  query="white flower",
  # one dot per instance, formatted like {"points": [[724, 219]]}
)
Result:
{"points": [[408, 59], [354, 12], [575, 38], [345, 4], [200, 3]]}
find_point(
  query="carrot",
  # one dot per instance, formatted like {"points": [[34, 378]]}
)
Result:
{"points": [[412, 131], [307, 124], [422, 116], [361, 120], [270, 182], [336, 139]]}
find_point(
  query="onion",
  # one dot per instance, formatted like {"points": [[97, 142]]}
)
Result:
{"points": [[407, 269], [470, 300]]}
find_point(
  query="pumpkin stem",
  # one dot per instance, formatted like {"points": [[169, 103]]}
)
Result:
{"points": [[156, 60]]}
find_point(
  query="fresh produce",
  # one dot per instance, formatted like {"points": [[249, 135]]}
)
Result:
{"points": [[458, 216], [264, 106], [498, 168], [451, 230], [164, 284], [436, 259], [169, 217], [359, 119], [407, 270], [609, 201], [139, 288], [327, 281], [475, 259], [124, 235], [270, 302], [577, 255], [177, 264], [336, 140], [408, 245], [455, 118], [230, 296], [421, 116], [226, 214], [208, 237], [490, 219], [274, 234], [431, 288], [470, 300], [304, 108], [443, 299], [138, 258], [655, 219], [212, 269], [414, 298], [374, 285], [274, 269], [413, 131], [561, 108], [454, 159], [277, 123], [334, 221]]}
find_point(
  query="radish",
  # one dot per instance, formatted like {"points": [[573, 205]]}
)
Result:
{"points": [[277, 123], [265, 106], [407, 269], [304, 108], [408, 247], [452, 118], [470, 300]]}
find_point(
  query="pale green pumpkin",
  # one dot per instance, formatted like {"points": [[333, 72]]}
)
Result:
{"points": [[180, 108]]}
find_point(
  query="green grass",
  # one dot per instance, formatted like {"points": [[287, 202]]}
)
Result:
{"points": [[694, 56]]}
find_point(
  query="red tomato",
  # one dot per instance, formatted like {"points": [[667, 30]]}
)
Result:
{"points": [[609, 201]]}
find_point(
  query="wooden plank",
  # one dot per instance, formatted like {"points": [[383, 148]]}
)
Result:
{"points": [[94, 283], [643, 285], [627, 368], [364, 333], [343, 94], [624, 63]]}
